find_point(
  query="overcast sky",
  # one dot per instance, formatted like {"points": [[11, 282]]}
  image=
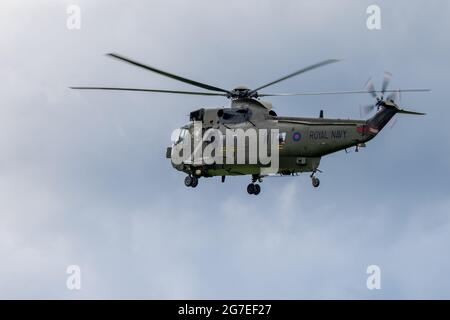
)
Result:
{"points": [[84, 180]]}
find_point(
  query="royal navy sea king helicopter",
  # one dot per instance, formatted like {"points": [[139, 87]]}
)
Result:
{"points": [[302, 141]]}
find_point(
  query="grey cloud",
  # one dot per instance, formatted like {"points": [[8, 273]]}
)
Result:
{"points": [[83, 178]]}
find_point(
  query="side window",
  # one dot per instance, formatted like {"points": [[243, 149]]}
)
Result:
{"points": [[282, 138]]}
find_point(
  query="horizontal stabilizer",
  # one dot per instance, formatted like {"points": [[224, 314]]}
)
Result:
{"points": [[411, 112]]}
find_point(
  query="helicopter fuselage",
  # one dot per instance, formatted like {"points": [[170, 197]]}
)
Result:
{"points": [[302, 141]]}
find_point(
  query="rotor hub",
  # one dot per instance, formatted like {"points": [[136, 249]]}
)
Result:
{"points": [[242, 92]]}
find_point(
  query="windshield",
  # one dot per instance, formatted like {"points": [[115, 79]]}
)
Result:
{"points": [[178, 135]]}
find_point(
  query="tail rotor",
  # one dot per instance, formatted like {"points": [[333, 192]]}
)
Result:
{"points": [[391, 101]]}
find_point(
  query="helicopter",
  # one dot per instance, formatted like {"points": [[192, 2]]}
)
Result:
{"points": [[300, 142]]}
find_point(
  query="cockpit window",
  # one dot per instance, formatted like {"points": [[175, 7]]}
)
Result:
{"points": [[227, 116], [179, 135], [235, 116]]}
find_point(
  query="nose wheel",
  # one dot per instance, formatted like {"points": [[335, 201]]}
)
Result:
{"points": [[315, 182], [191, 181]]}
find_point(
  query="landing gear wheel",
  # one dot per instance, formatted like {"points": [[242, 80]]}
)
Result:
{"points": [[194, 182], [315, 182], [251, 188], [257, 189], [188, 181]]}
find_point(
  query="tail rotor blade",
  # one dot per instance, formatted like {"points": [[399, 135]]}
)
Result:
{"points": [[394, 97], [392, 123], [386, 79], [371, 88], [391, 97], [366, 110]]}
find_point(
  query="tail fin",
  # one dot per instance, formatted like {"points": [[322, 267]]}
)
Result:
{"points": [[385, 114]]}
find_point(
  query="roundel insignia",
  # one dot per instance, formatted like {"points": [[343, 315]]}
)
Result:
{"points": [[296, 136]]}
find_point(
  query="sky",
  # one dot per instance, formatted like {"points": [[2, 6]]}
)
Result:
{"points": [[84, 180]]}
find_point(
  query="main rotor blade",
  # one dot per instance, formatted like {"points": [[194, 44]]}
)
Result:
{"points": [[152, 90], [335, 92], [311, 67], [167, 74]]}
